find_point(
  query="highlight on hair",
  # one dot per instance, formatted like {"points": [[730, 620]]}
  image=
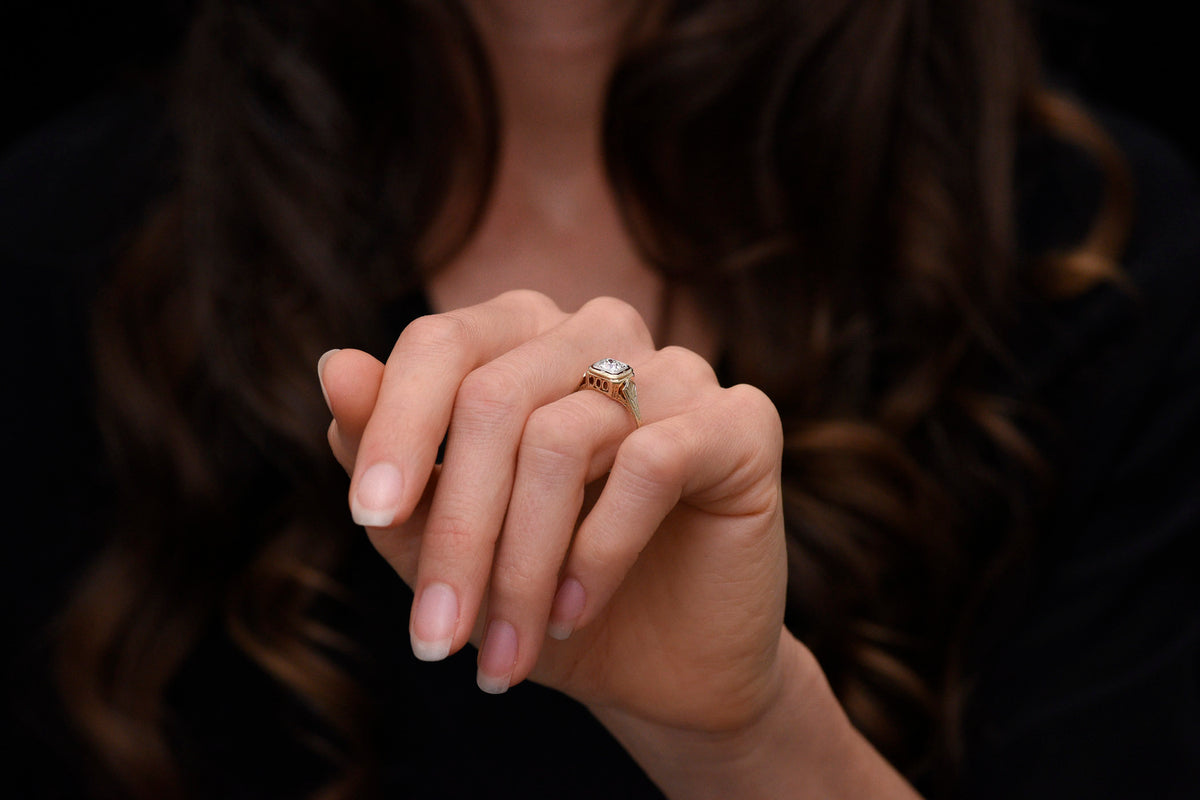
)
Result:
{"points": [[836, 176]]}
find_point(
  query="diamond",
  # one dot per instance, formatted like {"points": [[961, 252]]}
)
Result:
{"points": [[610, 366]]}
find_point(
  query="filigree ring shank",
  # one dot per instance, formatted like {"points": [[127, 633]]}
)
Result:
{"points": [[614, 379]]}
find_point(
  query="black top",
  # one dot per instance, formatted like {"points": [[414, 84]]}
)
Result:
{"points": [[1088, 687]]}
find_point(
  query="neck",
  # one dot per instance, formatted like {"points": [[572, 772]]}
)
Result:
{"points": [[554, 24], [551, 61]]}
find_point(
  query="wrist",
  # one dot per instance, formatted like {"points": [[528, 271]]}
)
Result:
{"points": [[799, 743]]}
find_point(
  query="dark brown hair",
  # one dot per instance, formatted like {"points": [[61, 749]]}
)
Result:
{"points": [[834, 180]]}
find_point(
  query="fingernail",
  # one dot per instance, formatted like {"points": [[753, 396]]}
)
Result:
{"points": [[497, 657], [321, 376], [434, 620], [568, 606], [377, 498]]}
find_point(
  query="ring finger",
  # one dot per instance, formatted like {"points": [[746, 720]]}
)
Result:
{"points": [[565, 446]]}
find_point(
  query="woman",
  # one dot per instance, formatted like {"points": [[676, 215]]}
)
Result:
{"points": [[832, 240]]}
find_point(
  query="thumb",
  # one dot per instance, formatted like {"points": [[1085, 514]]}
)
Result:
{"points": [[350, 382]]}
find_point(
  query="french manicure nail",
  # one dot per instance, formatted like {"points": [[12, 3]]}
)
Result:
{"points": [[497, 657], [434, 621], [321, 376], [377, 498], [568, 607]]}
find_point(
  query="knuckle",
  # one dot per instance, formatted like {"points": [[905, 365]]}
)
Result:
{"points": [[440, 333], [490, 393], [617, 314], [654, 458], [756, 409], [531, 299], [552, 442], [513, 578], [453, 538], [597, 556], [687, 365], [605, 554]]}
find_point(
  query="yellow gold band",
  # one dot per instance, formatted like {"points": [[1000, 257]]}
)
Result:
{"points": [[613, 379]]}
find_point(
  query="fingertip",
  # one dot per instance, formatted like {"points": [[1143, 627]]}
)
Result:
{"points": [[560, 631], [497, 657], [434, 622], [569, 603], [377, 496], [429, 651], [321, 375], [350, 381]]}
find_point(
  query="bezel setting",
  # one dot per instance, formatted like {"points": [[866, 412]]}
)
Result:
{"points": [[612, 367]]}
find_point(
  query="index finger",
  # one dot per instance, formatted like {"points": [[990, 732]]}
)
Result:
{"points": [[430, 359]]}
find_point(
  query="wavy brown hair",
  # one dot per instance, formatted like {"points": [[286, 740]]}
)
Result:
{"points": [[834, 180]]}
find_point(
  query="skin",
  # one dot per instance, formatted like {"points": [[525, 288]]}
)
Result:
{"points": [[641, 571]]}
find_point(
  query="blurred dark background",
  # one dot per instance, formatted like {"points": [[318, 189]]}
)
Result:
{"points": [[56, 53], [1136, 57]]}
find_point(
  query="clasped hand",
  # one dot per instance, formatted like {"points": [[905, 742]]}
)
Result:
{"points": [[639, 569]]}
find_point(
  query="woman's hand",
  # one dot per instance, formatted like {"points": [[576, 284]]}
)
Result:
{"points": [[641, 570], [665, 601]]}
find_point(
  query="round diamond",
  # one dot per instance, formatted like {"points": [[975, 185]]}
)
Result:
{"points": [[610, 366]]}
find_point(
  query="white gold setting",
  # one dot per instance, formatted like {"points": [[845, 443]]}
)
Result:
{"points": [[611, 366]]}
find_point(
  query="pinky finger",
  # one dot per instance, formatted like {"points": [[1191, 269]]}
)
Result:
{"points": [[646, 482]]}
